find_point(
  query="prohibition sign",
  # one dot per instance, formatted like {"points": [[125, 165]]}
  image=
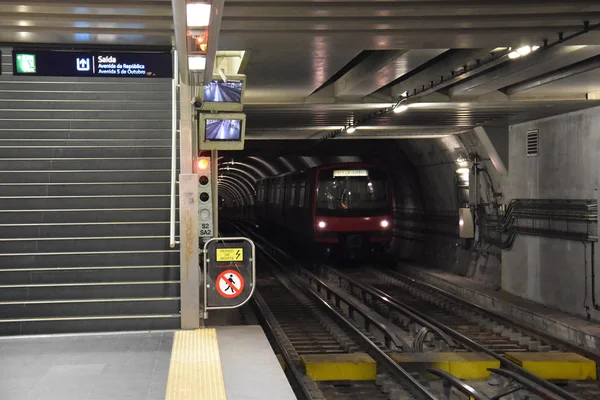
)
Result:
{"points": [[230, 284]]}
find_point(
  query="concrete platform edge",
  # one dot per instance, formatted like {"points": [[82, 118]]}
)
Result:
{"points": [[527, 317]]}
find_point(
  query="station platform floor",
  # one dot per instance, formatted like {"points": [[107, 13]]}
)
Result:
{"points": [[225, 362], [562, 325]]}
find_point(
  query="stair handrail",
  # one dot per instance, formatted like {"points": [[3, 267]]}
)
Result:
{"points": [[174, 86]]}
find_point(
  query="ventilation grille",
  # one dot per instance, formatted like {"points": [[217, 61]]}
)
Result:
{"points": [[533, 143]]}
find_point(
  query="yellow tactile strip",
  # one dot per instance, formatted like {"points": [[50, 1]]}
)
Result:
{"points": [[195, 372]]}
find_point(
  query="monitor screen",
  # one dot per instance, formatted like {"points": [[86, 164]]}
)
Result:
{"points": [[224, 129], [223, 92]]}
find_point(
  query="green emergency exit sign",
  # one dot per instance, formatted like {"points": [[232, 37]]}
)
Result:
{"points": [[26, 63]]}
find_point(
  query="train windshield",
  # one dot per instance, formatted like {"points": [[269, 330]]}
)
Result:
{"points": [[345, 192]]}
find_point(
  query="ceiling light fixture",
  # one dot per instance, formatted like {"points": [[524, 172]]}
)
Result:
{"points": [[197, 63], [524, 50], [351, 129], [198, 15]]}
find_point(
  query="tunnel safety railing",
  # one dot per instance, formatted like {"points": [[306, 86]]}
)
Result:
{"points": [[174, 86]]}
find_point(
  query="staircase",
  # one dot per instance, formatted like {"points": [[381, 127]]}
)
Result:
{"points": [[84, 205]]}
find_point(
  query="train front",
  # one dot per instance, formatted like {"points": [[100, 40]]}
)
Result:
{"points": [[353, 210]]}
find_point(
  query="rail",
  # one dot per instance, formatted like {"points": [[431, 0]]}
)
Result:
{"points": [[504, 362], [451, 381], [269, 322], [399, 307], [529, 385], [379, 355], [174, 86]]}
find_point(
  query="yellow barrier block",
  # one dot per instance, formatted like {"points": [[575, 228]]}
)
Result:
{"points": [[340, 367], [556, 365], [469, 366], [195, 369]]}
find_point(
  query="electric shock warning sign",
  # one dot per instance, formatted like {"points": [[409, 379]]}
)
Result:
{"points": [[224, 255]]}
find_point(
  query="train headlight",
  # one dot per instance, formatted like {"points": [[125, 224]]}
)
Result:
{"points": [[384, 223], [322, 224]]}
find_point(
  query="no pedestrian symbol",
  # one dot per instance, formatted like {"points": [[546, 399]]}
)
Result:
{"points": [[230, 284]]}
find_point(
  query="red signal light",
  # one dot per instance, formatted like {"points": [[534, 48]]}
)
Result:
{"points": [[202, 42]]}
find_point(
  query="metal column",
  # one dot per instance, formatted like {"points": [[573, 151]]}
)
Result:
{"points": [[214, 156]]}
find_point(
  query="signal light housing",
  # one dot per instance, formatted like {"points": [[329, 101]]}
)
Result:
{"points": [[205, 210]]}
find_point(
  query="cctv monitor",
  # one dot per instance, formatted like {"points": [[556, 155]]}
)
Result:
{"points": [[223, 131], [220, 95]]}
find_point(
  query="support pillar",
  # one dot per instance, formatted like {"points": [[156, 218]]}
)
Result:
{"points": [[188, 216]]}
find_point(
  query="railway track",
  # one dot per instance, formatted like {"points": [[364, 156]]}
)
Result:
{"points": [[299, 322], [464, 322], [432, 322]]}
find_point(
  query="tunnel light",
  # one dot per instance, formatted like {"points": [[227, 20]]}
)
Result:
{"points": [[462, 171], [197, 63], [384, 223], [322, 224], [524, 50], [400, 108], [198, 14], [351, 129]]}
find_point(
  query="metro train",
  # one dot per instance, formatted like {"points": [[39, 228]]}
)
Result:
{"points": [[341, 209]]}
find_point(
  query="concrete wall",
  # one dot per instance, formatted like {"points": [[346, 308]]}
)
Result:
{"points": [[433, 167], [550, 271]]}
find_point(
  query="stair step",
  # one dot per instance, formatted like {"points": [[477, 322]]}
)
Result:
{"points": [[85, 307], [87, 215], [97, 259], [105, 88], [87, 142], [72, 103], [83, 152], [84, 202], [99, 324], [96, 290], [58, 120], [83, 189], [87, 134], [163, 163], [82, 230], [89, 274], [49, 245], [106, 176]]}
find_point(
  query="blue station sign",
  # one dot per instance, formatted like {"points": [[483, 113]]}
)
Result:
{"points": [[72, 63]]}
